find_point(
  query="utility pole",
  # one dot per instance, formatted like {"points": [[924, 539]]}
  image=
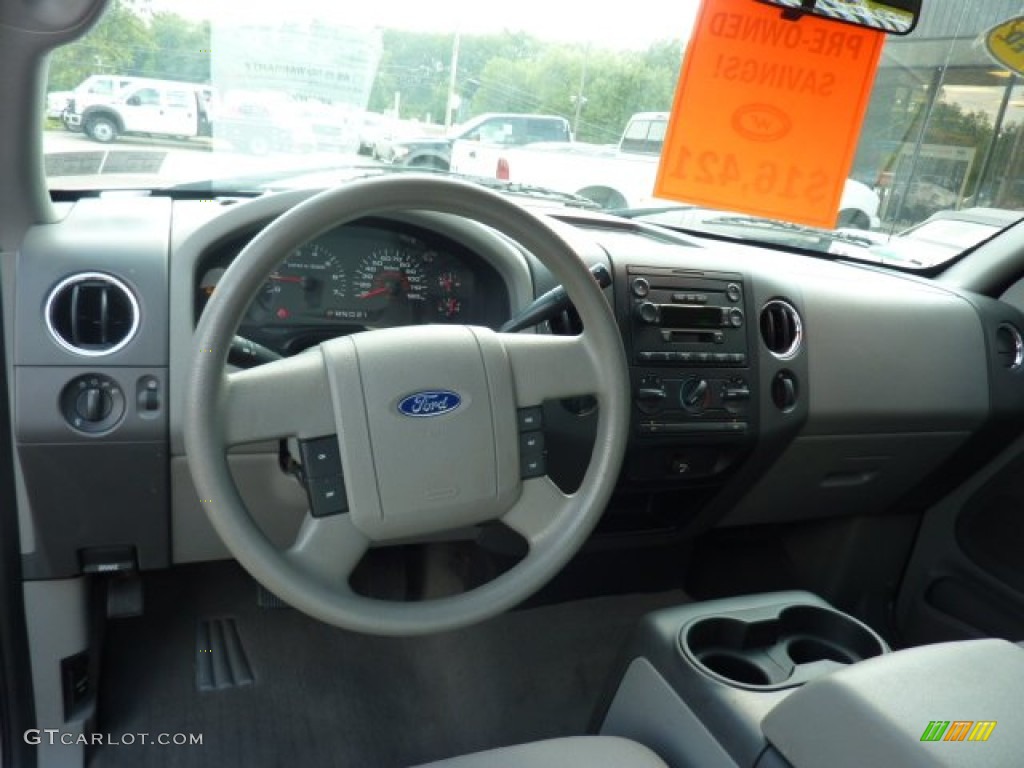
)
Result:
{"points": [[580, 98], [452, 73]]}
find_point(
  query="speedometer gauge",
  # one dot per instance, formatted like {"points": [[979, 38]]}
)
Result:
{"points": [[388, 275]]}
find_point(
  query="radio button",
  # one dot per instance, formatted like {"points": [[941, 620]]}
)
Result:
{"points": [[640, 287], [732, 292], [736, 317]]}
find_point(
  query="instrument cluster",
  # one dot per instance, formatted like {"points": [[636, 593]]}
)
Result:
{"points": [[368, 275]]}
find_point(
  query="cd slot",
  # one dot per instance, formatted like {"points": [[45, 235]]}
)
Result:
{"points": [[692, 336]]}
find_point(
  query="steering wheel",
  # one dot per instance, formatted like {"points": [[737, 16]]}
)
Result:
{"points": [[406, 475]]}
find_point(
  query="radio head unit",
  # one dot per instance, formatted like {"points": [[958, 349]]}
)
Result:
{"points": [[687, 318]]}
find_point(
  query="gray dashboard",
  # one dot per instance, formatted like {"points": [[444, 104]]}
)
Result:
{"points": [[892, 376]]}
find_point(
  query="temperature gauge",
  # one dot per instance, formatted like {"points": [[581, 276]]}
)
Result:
{"points": [[449, 282]]}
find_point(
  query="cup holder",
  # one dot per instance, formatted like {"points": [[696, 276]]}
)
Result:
{"points": [[735, 668], [786, 647]]}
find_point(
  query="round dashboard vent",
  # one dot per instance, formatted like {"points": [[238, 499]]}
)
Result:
{"points": [[92, 314], [1009, 346], [781, 329]]}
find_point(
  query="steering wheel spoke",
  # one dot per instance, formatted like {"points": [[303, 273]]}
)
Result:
{"points": [[550, 367], [286, 398], [328, 549], [536, 513]]}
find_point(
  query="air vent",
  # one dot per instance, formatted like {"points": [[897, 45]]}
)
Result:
{"points": [[1009, 346], [781, 329], [92, 314]]}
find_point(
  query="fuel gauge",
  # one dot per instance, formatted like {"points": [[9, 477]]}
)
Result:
{"points": [[449, 307]]}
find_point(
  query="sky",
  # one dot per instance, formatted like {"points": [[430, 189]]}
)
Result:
{"points": [[603, 23]]}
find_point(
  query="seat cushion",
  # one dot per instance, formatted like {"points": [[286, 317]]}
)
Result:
{"points": [[573, 752]]}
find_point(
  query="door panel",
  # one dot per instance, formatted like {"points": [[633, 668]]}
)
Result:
{"points": [[966, 576]]}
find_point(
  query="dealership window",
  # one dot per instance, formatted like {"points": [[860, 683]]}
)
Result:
{"points": [[945, 127]]}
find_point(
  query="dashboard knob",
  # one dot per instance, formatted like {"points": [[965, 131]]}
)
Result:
{"points": [[648, 312], [736, 317], [640, 287], [650, 395], [93, 404]]}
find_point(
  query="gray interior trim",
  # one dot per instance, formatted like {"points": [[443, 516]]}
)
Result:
{"points": [[876, 712], [56, 614], [570, 752], [647, 709], [276, 501], [930, 374]]}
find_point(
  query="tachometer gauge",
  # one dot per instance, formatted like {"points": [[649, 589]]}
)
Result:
{"points": [[306, 283], [389, 278]]}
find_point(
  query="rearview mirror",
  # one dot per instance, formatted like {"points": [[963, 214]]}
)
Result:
{"points": [[897, 17]]}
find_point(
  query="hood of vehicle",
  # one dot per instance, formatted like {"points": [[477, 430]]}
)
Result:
{"points": [[426, 142]]}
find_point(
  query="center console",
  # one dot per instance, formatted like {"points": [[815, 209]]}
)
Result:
{"points": [[690, 348], [784, 680], [697, 680]]}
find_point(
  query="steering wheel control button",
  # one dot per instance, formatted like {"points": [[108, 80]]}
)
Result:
{"points": [[531, 442], [321, 457], [532, 466], [92, 403], [531, 418], [327, 496]]}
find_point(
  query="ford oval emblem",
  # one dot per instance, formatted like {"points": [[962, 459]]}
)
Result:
{"points": [[432, 402], [761, 122]]}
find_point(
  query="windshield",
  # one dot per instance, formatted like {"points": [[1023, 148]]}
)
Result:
{"points": [[183, 93]]}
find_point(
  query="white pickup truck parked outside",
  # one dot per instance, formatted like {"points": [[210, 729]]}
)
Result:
{"points": [[144, 106], [615, 176]]}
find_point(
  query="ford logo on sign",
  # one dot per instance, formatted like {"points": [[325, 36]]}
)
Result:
{"points": [[434, 402]]}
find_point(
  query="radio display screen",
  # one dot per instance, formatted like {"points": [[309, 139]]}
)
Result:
{"points": [[690, 317]]}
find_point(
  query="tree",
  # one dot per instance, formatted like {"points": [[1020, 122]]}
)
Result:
{"points": [[180, 49], [118, 40]]}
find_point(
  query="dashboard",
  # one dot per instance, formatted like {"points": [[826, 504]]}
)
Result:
{"points": [[766, 386]]}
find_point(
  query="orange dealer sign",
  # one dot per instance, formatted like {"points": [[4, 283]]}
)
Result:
{"points": [[768, 112]]}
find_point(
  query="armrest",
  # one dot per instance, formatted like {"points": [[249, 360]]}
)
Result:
{"points": [[907, 708]]}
